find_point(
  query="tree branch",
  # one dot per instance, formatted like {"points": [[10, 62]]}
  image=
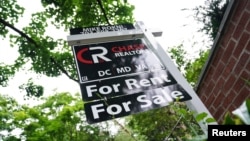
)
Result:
{"points": [[34, 42], [166, 139], [123, 128], [103, 11], [18, 31]]}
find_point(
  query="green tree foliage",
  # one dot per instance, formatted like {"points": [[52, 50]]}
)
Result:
{"points": [[194, 68], [8, 108], [174, 122], [31, 89], [10, 13], [124, 136], [46, 54], [59, 118], [210, 16], [190, 68]]}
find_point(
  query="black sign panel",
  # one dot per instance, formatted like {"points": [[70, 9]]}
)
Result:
{"points": [[126, 85], [130, 104], [109, 60]]}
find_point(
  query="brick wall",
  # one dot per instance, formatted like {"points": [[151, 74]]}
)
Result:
{"points": [[222, 88]]}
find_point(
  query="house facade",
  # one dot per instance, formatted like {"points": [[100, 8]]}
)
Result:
{"points": [[224, 81]]}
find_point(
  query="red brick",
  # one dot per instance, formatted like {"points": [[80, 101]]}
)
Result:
{"points": [[244, 39], [248, 6], [227, 34], [241, 44], [203, 98], [245, 75], [204, 85], [230, 66], [229, 83], [229, 50], [227, 101], [239, 101], [219, 85], [218, 98], [241, 25], [210, 86], [232, 107], [237, 104], [200, 90], [219, 53], [240, 4], [248, 66], [248, 46], [226, 107], [212, 110], [219, 113], [210, 100], [248, 26], [238, 68], [244, 93], [220, 68], [210, 72], [241, 97], [244, 59], [232, 95], [238, 31], [244, 19], [208, 91], [238, 85]]}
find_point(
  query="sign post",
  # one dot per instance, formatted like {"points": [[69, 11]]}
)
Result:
{"points": [[122, 70]]}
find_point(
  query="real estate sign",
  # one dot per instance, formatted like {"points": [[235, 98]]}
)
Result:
{"points": [[122, 77]]}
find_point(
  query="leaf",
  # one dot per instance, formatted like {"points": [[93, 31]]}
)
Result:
{"points": [[20, 115], [210, 120], [201, 116], [228, 120], [248, 105]]}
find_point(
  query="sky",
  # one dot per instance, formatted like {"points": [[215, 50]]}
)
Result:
{"points": [[178, 27]]}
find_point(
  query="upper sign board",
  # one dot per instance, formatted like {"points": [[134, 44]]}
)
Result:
{"points": [[98, 29]]}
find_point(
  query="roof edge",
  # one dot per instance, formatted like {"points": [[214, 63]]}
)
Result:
{"points": [[216, 41]]}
